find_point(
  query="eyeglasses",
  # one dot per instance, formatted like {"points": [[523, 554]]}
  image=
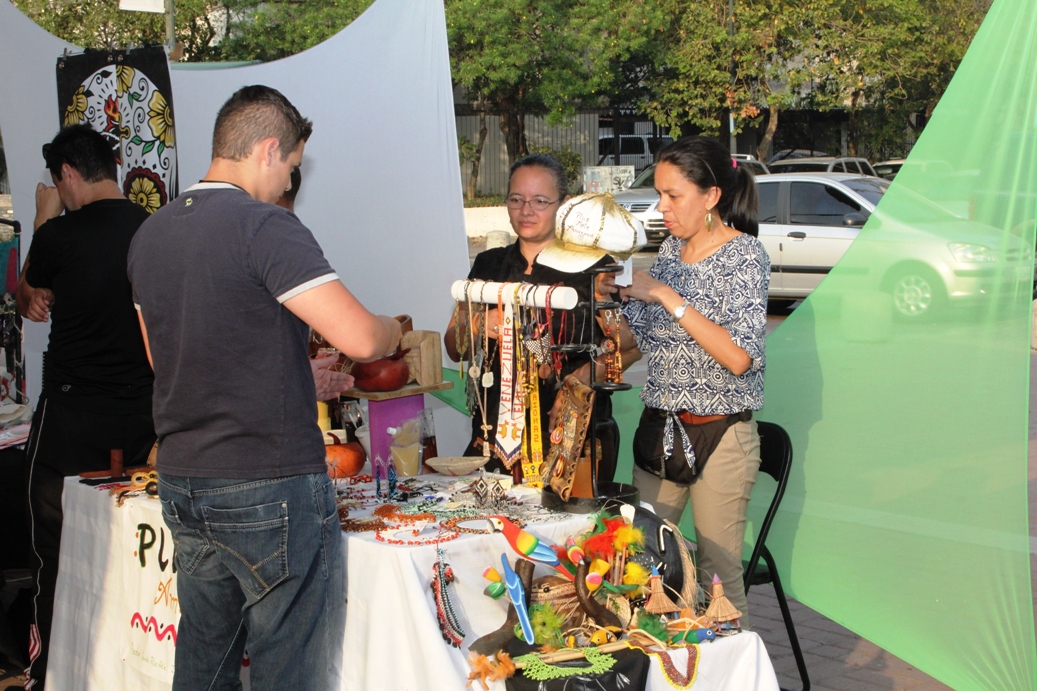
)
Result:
{"points": [[516, 202]]}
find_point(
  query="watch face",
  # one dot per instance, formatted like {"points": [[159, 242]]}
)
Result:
{"points": [[678, 313]]}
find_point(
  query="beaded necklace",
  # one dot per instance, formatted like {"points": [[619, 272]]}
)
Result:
{"points": [[417, 542], [393, 514], [677, 679], [537, 670], [449, 623], [613, 357], [350, 525], [455, 524]]}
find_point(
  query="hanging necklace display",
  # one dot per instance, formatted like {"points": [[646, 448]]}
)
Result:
{"points": [[511, 414], [476, 357], [479, 340], [482, 387], [538, 339], [487, 375], [559, 340], [533, 440], [610, 346], [462, 331]]}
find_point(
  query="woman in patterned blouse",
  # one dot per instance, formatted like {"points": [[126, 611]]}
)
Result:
{"points": [[699, 316]]}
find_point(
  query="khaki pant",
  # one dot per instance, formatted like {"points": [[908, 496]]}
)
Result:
{"points": [[719, 499]]}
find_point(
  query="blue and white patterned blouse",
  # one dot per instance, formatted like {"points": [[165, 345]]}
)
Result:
{"points": [[729, 287]]}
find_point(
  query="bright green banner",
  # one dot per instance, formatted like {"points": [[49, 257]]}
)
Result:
{"points": [[905, 518], [906, 514]]}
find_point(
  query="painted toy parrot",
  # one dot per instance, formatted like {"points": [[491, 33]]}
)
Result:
{"points": [[528, 545], [518, 598]]}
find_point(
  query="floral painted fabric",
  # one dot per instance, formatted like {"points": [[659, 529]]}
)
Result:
{"points": [[126, 96]]}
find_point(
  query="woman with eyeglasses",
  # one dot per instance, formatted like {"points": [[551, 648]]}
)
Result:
{"points": [[536, 188], [699, 315]]}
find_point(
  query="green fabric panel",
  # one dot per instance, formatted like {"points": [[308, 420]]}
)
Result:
{"points": [[455, 397], [905, 518], [626, 411]]}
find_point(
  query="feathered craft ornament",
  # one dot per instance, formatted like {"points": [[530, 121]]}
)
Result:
{"points": [[601, 543]]}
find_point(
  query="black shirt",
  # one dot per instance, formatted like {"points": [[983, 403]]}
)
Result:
{"points": [[95, 347]]}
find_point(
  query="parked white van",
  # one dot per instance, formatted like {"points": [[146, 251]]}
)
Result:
{"points": [[636, 150]]}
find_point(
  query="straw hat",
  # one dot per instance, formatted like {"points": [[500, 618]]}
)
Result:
{"points": [[589, 227]]}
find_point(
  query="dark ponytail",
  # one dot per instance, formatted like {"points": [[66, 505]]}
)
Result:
{"points": [[706, 163]]}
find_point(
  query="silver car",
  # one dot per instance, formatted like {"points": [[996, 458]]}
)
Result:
{"points": [[641, 199], [822, 164], [917, 251]]}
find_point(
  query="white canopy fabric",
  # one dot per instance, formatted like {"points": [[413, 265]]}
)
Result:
{"points": [[381, 182]]}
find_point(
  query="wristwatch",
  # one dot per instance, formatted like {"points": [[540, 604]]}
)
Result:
{"points": [[678, 313]]}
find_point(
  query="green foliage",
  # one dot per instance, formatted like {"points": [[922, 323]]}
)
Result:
{"points": [[466, 149], [548, 57], [272, 29], [570, 160], [101, 24], [514, 54], [684, 64], [688, 87], [208, 29]]}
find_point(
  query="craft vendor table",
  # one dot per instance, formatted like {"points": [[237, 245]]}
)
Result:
{"points": [[115, 609]]}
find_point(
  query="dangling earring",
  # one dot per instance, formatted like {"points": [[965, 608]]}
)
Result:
{"points": [[709, 220]]}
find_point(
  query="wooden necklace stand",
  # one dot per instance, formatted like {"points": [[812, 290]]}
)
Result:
{"points": [[601, 492]]}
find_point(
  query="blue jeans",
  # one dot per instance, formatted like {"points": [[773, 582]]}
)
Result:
{"points": [[259, 566]]}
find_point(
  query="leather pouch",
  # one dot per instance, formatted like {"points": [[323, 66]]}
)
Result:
{"points": [[569, 436]]}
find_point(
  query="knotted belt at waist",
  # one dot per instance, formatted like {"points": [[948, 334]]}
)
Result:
{"points": [[690, 418]]}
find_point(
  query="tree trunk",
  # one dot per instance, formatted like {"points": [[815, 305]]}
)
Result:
{"points": [[768, 133], [617, 144], [473, 179], [851, 135], [513, 127]]}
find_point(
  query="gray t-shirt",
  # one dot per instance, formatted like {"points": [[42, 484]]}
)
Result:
{"points": [[234, 394]]}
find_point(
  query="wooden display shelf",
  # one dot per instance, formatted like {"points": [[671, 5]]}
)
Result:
{"points": [[408, 390]]}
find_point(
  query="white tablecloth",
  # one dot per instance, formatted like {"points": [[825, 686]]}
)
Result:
{"points": [[392, 640]]}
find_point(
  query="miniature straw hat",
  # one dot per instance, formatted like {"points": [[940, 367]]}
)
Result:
{"points": [[589, 227]]}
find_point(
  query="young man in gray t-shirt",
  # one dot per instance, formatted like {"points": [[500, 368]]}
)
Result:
{"points": [[226, 285]]}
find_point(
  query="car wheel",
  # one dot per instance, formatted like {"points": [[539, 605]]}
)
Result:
{"points": [[917, 292]]}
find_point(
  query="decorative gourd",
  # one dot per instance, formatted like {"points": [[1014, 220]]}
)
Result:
{"points": [[387, 374], [344, 460]]}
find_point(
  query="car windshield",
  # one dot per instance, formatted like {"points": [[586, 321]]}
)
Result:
{"points": [[645, 180], [871, 189], [798, 167]]}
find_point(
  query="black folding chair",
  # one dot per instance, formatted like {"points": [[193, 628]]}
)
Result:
{"points": [[775, 460]]}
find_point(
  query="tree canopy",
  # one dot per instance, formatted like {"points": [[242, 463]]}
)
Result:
{"points": [[686, 65]]}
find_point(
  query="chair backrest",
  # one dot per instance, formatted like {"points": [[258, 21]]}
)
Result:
{"points": [[775, 460]]}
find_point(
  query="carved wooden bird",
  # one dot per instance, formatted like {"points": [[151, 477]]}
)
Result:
{"points": [[527, 544]]}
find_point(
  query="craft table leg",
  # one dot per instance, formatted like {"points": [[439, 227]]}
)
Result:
{"points": [[392, 413]]}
